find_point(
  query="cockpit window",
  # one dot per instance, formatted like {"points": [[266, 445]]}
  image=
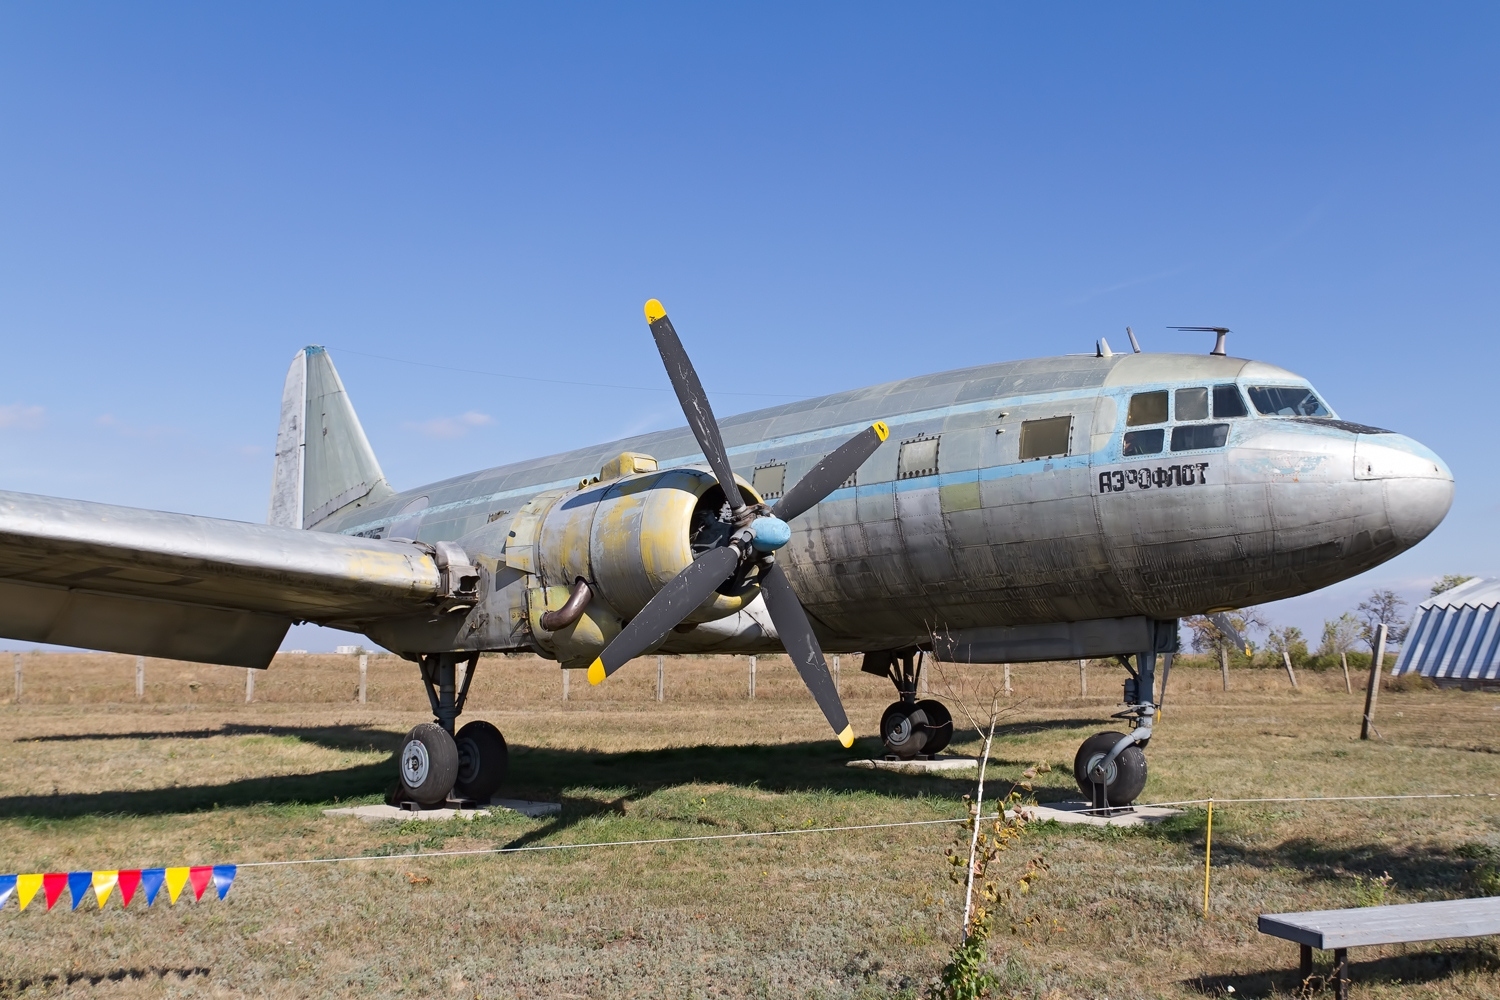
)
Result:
{"points": [[1194, 437], [1147, 408], [1144, 442], [1287, 401], [1192, 404], [1228, 402]]}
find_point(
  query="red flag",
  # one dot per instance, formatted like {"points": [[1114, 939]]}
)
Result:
{"points": [[53, 883], [200, 876], [129, 879]]}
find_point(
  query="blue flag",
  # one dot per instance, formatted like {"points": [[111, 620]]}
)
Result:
{"points": [[223, 879], [78, 885], [7, 886], [151, 881]]}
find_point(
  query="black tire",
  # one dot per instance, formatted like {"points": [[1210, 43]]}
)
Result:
{"points": [[904, 729], [482, 758], [939, 725], [1126, 778], [428, 763]]}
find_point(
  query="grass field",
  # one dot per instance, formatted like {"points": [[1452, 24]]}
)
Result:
{"points": [[92, 777]]}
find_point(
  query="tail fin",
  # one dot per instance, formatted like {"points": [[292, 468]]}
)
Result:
{"points": [[323, 460]]}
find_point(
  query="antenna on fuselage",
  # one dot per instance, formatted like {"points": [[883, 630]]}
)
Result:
{"points": [[1135, 345], [1222, 331], [1101, 349]]}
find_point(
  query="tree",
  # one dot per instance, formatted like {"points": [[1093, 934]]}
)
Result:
{"points": [[1208, 638], [1448, 582], [1340, 634], [1382, 606], [1287, 640]]}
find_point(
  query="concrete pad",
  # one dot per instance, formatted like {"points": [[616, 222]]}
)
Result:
{"points": [[1074, 812], [917, 766], [384, 813]]}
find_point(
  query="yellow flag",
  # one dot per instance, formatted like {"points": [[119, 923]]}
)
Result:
{"points": [[176, 879], [103, 883], [26, 887]]}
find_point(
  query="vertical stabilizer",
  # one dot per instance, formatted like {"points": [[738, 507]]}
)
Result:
{"points": [[324, 463]]}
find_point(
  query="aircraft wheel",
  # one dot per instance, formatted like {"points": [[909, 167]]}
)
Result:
{"points": [[482, 758], [939, 725], [1125, 778], [904, 729], [429, 764]]}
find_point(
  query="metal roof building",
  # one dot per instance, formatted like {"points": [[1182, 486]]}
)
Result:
{"points": [[1454, 638]]}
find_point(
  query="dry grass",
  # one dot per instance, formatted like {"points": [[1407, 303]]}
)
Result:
{"points": [[94, 778]]}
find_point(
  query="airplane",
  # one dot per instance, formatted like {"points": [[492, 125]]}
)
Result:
{"points": [[1067, 507]]}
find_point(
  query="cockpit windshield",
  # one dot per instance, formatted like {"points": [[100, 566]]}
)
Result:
{"points": [[1287, 401]]}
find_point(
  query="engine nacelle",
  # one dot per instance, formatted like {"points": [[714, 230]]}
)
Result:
{"points": [[627, 537]]}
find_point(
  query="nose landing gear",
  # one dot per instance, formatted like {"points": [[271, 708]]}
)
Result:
{"points": [[1110, 767], [434, 761], [910, 728]]}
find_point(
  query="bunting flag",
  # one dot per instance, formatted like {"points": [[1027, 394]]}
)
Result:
{"points": [[131, 882]]}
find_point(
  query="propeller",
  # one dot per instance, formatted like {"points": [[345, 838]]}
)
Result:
{"points": [[751, 545]]}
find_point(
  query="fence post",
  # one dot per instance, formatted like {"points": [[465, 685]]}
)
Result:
{"points": [[364, 672], [1224, 664], [836, 675], [752, 678], [1083, 678], [140, 676], [661, 678], [249, 685], [1344, 659], [18, 678], [922, 673], [1367, 725], [1291, 674], [1007, 679], [565, 683]]}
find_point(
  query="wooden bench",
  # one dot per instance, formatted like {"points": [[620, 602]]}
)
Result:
{"points": [[1340, 930]]}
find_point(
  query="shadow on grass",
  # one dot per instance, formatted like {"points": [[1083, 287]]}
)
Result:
{"points": [[1426, 966], [19, 985], [369, 739]]}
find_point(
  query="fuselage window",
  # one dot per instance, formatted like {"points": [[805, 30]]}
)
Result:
{"points": [[1192, 404], [1228, 402], [1287, 401], [1045, 438], [1192, 437], [1147, 408], [918, 458], [769, 481], [1144, 442]]}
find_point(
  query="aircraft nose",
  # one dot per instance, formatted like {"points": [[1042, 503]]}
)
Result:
{"points": [[1418, 485]]}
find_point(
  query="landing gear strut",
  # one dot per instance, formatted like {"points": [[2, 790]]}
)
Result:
{"points": [[435, 761], [1110, 767], [909, 727]]}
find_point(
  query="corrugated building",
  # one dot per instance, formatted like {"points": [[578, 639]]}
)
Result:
{"points": [[1454, 638]]}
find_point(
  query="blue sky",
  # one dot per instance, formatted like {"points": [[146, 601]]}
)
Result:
{"points": [[825, 196]]}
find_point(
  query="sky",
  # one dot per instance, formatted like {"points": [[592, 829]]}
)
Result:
{"points": [[468, 204]]}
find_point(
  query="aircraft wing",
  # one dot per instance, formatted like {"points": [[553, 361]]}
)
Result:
{"points": [[187, 587]]}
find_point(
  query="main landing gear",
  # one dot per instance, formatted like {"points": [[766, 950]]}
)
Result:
{"points": [[911, 728], [435, 761], [1110, 767]]}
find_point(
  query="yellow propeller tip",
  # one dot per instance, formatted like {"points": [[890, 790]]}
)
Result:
{"points": [[596, 671], [881, 430], [847, 737], [654, 310]]}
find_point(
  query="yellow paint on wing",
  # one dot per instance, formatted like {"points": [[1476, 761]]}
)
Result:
{"points": [[654, 311]]}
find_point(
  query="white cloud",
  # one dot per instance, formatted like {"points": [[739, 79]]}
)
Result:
{"points": [[20, 415], [448, 428]]}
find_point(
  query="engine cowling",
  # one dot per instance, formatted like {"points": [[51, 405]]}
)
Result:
{"points": [[627, 537]]}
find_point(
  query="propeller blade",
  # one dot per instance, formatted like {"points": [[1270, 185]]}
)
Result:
{"points": [[802, 646], [1225, 626], [667, 609], [700, 416], [829, 474]]}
